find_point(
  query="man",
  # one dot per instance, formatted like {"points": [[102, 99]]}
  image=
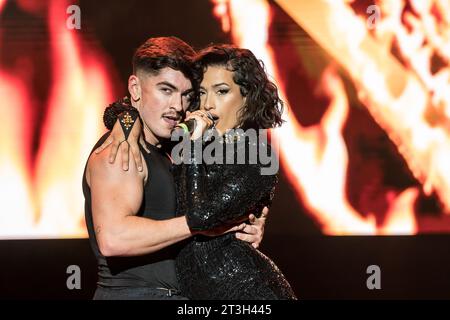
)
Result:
{"points": [[130, 213]]}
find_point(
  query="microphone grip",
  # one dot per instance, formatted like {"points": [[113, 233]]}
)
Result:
{"points": [[190, 125], [187, 126]]}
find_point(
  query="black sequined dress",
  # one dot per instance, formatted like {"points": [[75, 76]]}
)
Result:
{"points": [[216, 194]]}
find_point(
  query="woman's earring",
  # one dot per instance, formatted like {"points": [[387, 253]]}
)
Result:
{"points": [[136, 100]]}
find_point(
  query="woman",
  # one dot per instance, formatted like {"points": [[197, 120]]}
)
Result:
{"points": [[234, 93]]}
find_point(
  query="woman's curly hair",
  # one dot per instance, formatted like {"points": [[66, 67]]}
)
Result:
{"points": [[263, 106]]}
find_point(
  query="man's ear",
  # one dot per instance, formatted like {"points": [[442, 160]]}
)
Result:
{"points": [[134, 88]]}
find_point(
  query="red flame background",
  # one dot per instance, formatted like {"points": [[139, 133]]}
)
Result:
{"points": [[365, 148]]}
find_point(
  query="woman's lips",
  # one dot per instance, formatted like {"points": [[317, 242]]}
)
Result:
{"points": [[213, 117]]}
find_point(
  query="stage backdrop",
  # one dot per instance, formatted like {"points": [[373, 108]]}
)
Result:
{"points": [[365, 149]]}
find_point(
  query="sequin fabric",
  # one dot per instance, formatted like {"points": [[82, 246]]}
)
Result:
{"points": [[224, 267]]}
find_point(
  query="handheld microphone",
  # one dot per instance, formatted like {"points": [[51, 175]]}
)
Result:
{"points": [[186, 127], [189, 125]]}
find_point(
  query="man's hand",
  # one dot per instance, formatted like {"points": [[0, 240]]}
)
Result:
{"points": [[221, 230], [254, 232], [117, 137]]}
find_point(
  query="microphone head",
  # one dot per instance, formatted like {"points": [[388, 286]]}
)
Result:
{"points": [[186, 127], [189, 125]]}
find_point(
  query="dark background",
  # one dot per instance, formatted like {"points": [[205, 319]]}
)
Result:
{"points": [[318, 267]]}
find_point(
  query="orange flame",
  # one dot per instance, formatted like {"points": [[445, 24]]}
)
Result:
{"points": [[81, 89], [77, 100], [221, 10], [408, 101], [425, 140], [17, 214]]}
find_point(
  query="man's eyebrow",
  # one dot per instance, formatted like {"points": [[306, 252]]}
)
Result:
{"points": [[165, 83]]}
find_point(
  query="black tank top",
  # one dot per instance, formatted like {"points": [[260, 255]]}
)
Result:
{"points": [[153, 270]]}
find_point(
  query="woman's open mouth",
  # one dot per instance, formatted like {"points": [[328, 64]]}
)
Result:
{"points": [[213, 117]]}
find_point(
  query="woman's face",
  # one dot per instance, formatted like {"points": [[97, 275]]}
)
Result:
{"points": [[221, 97]]}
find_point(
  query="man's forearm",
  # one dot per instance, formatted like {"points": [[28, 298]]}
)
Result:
{"points": [[140, 236]]}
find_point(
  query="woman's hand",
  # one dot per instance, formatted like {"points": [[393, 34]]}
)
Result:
{"points": [[116, 137], [202, 123]]}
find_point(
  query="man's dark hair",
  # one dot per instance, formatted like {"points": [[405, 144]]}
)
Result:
{"points": [[263, 106], [158, 53], [167, 52]]}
